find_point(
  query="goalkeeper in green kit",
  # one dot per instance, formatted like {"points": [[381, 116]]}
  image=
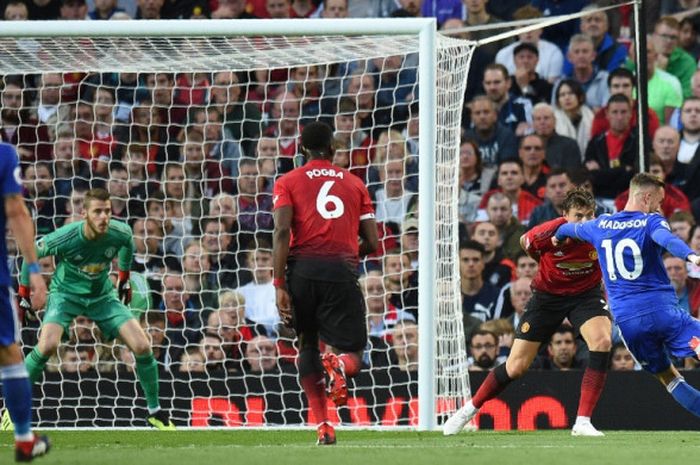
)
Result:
{"points": [[81, 286]]}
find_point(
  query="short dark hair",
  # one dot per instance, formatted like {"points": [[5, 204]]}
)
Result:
{"points": [[575, 87], [517, 161], [317, 140], [558, 172], [525, 46], [96, 194], [620, 73], [578, 198], [483, 332], [619, 98], [563, 329], [472, 245], [498, 67]]}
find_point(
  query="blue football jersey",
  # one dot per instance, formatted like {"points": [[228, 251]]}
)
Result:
{"points": [[10, 183], [629, 251]]}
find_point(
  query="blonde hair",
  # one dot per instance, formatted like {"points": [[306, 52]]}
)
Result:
{"points": [[231, 298], [386, 139]]}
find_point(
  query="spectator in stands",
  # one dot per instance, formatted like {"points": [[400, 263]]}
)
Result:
{"points": [[527, 82], [212, 348], [392, 145], [135, 160], [622, 81], [483, 350], [558, 184], [392, 199], [520, 294], [581, 54], [222, 252], [118, 188], [260, 293], [610, 54], [254, 207], [199, 282], [500, 214], [681, 223], [332, 9], [179, 203], [688, 37], [224, 207], [562, 351], [261, 355], [688, 161], [496, 142], [41, 198], [498, 270], [582, 178], [693, 270], [49, 85], [474, 179], [183, 320], [404, 343], [285, 125], [560, 151], [148, 256], [687, 289], [562, 32], [397, 87], [153, 324], [360, 88], [671, 57], [478, 15], [232, 9], [278, 9], [149, 9], [674, 198], [621, 359], [531, 153], [382, 314], [70, 171], [73, 9], [409, 239], [104, 9], [510, 181], [550, 59], [666, 143], [514, 112], [15, 10], [478, 295], [148, 130], [665, 92], [574, 118], [192, 361], [612, 156], [18, 127], [241, 118]]}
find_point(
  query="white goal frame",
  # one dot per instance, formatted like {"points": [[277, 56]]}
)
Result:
{"points": [[424, 28]]}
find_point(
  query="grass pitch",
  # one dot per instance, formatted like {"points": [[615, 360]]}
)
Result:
{"points": [[362, 447]]}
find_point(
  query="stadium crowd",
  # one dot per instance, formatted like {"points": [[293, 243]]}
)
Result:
{"points": [[190, 159]]}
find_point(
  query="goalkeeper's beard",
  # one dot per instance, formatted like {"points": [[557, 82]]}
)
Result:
{"points": [[94, 229]]}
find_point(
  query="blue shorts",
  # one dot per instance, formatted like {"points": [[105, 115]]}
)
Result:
{"points": [[653, 336], [9, 322]]}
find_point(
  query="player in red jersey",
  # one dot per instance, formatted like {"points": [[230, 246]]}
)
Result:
{"points": [[567, 285], [320, 210]]}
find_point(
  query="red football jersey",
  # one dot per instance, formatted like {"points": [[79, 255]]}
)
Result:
{"points": [[565, 270], [328, 203]]}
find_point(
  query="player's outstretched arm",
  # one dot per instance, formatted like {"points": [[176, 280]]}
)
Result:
{"points": [[669, 241], [280, 252], [369, 235], [22, 228]]}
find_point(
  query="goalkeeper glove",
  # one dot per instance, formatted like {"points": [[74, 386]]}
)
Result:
{"points": [[124, 287], [24, 302]]}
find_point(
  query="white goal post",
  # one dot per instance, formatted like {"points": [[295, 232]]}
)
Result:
{"points": [[207, 46]]}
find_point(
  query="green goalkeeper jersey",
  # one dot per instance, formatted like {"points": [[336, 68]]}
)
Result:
{"points": [[83, 265]]}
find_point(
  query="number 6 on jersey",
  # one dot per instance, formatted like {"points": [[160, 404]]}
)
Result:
{"points": [[324, 198]]}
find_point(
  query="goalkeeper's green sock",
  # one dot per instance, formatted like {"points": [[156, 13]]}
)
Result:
{"points": [[147, 372], [35, 363]]}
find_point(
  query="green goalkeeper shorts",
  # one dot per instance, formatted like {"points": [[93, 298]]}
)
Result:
{"points": [[107, 312]]}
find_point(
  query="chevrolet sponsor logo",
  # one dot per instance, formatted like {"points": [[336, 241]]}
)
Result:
{"points": [[575, 266]]}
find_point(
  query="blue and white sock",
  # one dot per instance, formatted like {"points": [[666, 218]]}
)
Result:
{"points": [[17, 392], [685, 394]]}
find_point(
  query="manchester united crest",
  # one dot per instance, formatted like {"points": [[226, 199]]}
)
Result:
{"points": [[525, 327], [593, 255]]}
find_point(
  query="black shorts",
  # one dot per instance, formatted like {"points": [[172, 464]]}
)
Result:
{"points": [[333, 310], [544, 313]]}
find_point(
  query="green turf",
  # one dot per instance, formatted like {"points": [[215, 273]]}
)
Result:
{"points": [[362, 447]]}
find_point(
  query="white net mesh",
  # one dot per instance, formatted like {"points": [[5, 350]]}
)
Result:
{"points": [[188, 135]]}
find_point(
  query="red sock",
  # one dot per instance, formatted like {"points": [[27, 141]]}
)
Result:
{"points": [[315, 388], [351, 364], [591, 388], [496, 381], [25, 446]]}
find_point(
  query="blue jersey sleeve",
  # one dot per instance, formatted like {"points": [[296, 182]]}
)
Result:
{"points": [[580, 231], [662, 235], [10, 178]]}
